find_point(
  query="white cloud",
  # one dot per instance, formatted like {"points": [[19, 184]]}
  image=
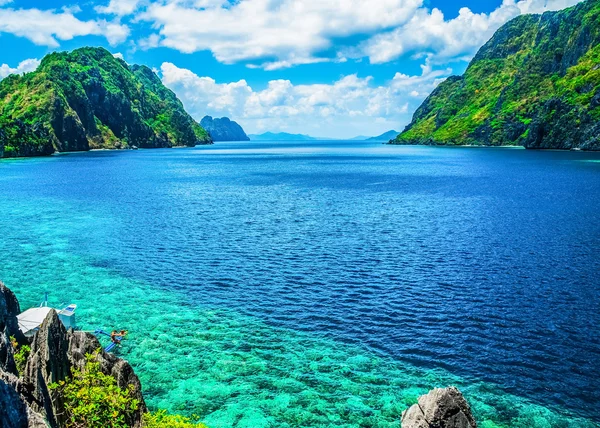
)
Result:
{"points": [[119, 7], [318, 109], [289, 31], [284, 33], [46, 27], [23, 67], [458, 38]]}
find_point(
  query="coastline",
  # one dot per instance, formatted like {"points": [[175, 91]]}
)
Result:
{"points": [[104, 150]]}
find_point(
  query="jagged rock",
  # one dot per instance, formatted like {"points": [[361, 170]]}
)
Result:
{"points": [[14, 410], [9, 309], [28, 401], [441, 408], [48, 363], [9, 326]]}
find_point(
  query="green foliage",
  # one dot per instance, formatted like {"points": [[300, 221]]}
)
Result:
{"points": [[87, 99], [21, 354], [161, 419], [93, 399], [538, 73]]}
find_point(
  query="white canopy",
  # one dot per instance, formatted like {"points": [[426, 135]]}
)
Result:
{"points": [[32, 319]]}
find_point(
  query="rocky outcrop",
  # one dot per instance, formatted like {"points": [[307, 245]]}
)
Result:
{"points": [[535, 83], [82, 344], [28, 401], [14, 409], [9, 326], [441, 408], [223, 129], [48, 363]]}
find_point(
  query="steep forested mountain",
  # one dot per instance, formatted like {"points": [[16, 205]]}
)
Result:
{"points": [[536, 83], [88, 99]]}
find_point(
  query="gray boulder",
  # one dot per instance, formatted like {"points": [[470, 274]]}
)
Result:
{"points": [[441, 408]]}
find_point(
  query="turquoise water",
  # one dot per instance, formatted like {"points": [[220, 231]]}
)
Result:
{"points": [[256, 280]]}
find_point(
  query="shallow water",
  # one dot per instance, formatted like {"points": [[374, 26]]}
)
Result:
{"points": [[324, 284]]}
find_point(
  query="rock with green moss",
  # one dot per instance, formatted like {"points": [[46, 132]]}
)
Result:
{"points": [[88, 99], [223, 129], [536, 83]]}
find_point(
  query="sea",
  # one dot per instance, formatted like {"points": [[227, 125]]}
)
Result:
{"points": [[324, 283]]}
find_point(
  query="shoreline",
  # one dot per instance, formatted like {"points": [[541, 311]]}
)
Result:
{"points": [[483, 146], [102, 150]]}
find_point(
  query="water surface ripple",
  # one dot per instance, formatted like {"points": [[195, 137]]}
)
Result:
{"points": [[481, 263]]}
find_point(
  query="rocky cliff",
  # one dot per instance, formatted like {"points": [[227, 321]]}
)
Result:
{"points": [[28, 400], [88, 99], [223, 129], [536, 83]]}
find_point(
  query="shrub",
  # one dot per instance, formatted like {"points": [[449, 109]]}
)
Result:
{"points": [[161, 419], [93, 399], [21, 354]]}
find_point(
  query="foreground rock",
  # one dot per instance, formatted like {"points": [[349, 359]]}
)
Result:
{"points": [[9, 326], [28, 401], [441, 408]]}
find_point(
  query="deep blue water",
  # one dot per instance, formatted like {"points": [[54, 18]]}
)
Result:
{"points": [[481, 262]]}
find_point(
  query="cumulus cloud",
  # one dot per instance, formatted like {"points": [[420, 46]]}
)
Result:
{"points": [[288, 31], [23, 67], [47, 27], [285, 33], [458, 38], [319, 109], [118, 7]]}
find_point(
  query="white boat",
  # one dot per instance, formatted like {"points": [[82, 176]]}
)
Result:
{"points": [[31, 319]]}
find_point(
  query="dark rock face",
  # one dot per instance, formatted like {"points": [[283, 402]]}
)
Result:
{"points": [[9, 326], [48, 363], [14, 410], [223, 129], [441, 408]]}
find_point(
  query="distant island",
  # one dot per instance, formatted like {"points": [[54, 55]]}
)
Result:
{"points": [[88, 99], [386, 136], [280, 136], [535, 84], [223, 129]]}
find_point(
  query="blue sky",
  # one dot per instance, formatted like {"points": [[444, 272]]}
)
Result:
{"points": [[331, 68]]}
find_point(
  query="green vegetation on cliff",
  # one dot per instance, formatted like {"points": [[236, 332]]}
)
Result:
{"points": [[88, 99], [536, 83]]}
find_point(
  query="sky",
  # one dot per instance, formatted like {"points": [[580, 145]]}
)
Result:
{"points": [[327, 68]]}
